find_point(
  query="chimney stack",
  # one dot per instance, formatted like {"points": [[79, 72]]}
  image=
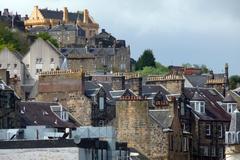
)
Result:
{"points": [[135, 84], [65, 15], [85, 16], [118, 82]]}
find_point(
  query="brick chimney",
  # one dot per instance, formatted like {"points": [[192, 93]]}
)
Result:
{"points": [[85, 16], [65, 15], [118, 82]]}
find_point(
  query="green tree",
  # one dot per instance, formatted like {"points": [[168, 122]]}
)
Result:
{"points": [[234, 81], [146, 59], [14, 40], [45, 36], [158, 70]]}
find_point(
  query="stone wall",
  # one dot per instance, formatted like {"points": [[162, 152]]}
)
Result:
{"points": [[173, 83], [67, 88], [141, 132]]}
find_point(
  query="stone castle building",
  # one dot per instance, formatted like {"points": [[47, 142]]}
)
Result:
{"points": [[46, 17]]}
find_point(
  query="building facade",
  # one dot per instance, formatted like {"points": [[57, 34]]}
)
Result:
{"points": [[46, 17]]}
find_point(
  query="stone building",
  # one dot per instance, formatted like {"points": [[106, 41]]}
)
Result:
{"points": [[157, 134], [79, 58], [209, 121], [66, 87], [218, 81], [42, 56], [68, 35], [12, 61], [8, 109], [12, 20], [46, 17]]}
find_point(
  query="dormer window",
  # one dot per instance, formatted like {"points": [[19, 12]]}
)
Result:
{"points": [[231, 107], [101, 103], [60, 112], [199, 106]]}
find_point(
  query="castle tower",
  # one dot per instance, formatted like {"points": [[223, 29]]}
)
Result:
{"points": [[65, 15], [85, 16]]}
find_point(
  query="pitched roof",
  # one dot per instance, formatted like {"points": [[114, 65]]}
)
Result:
{"points": [[51, 14], [197, 80], [197, 97], [163, 117], [40, 113], [213, 111], [229, 99]]}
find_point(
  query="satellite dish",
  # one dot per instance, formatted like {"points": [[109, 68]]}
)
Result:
{"points": [[77, 139]]}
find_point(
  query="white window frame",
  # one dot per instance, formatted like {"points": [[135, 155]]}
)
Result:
{"points": [[208, 129], [205, 150], [231, 107], [199, 106], [101, 103], [185, 144]]}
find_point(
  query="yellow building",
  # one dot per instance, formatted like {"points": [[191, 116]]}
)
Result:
{"points": [[45, 17]]}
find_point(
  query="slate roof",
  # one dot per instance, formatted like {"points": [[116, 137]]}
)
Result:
{"points": [[38, 29], [149, 89], [76, 53], [197, 97], [51, 14], [213, 111], [229, 99], [40, 113], [197, 80], [163, 117], [68, 27]]}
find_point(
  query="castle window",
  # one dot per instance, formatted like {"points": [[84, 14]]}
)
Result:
{"points": [[101, 103], [0, 65], [15, 65], [8, 66], [208, 129], [231, 107]]}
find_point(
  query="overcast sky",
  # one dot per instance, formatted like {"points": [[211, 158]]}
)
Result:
{"points": [[178, 31]]}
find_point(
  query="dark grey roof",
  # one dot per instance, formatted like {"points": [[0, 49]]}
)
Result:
{"points": [[229, 99], [197, 97], [163, 117], [40, 113], [4, 86], [213, 111], [38, 29], [76, 53], [51, 14], [235, 122], [197, 80], [68, 27], [149, 89]]}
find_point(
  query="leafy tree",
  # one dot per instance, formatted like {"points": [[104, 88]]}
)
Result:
{"points": [[45, 36], [204, 68], [158, 70], [146, 59], [14, 40], [187, 65], [234, 81]]}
